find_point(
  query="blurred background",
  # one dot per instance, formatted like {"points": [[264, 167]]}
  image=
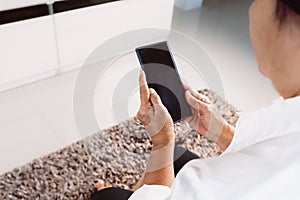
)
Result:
{"points": [[43, 45]]}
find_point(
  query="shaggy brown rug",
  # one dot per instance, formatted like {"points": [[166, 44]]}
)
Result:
{"points": [[118, 154]]}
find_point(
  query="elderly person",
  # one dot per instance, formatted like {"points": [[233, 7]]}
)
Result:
{"points": [[261, 155]]}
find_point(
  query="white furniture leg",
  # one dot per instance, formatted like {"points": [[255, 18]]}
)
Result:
{"points": [[188, 4]]}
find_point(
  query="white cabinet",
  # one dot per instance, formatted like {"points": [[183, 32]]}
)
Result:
{"points": [[42, 47], [12, 4], [80, 31], [27, 52]]}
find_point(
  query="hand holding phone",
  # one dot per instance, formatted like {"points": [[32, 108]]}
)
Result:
{"points": [[162, 75]]}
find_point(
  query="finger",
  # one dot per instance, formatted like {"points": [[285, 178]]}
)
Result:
{"points": [[154, 98], [144, 90], [194, 102], [200, 96], [196, 93]]}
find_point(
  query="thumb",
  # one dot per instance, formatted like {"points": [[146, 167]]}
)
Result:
{"points": [[154, 98]]}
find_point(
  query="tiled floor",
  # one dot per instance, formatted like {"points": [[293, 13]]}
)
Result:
{"points": [[38, 118], [35, 120]]}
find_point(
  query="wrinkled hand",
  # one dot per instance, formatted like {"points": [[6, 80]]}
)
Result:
{"points": [[206, 119], [154, 115]]}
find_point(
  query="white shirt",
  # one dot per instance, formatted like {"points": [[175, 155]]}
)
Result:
{"points": [[262, 162]]}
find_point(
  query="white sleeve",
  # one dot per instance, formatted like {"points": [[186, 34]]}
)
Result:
{"points": [[150, 192], [266, 123]]}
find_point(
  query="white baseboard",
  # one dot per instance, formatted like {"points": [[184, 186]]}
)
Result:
{"points": [[30, 79]]}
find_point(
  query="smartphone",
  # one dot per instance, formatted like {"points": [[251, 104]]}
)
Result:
{"points": [[162, 75]]}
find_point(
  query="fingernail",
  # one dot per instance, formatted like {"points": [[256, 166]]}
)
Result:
{"points": [[152, 90]]}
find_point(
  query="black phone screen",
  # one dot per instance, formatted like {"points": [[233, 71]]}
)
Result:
{"points": [[162, 75]]}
